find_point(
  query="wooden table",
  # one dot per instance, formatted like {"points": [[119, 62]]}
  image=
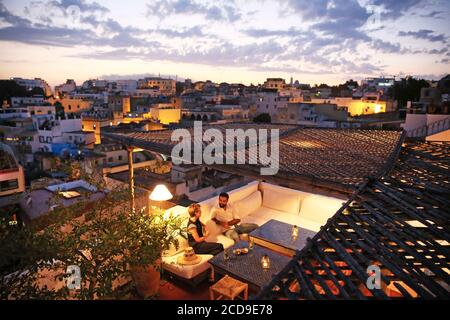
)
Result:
{"points": [[229, 288]]}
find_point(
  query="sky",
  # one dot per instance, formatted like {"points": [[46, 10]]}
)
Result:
{"points": [[236, 41]]}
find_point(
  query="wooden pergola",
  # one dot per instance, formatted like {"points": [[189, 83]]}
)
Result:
{"points": [[398, 222], [327, 161]]}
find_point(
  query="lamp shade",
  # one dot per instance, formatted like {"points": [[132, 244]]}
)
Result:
{"points": [[160, 193]]}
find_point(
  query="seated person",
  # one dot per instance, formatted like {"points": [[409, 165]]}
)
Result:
{"points": [[224, 215], [197, 233]]}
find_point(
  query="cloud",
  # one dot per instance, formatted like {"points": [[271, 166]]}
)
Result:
{"points": [[262, 33], [184, 33], [424, 34], [386, 46], [165, 8], [225, 53], [338, 18], [433, 14], [10, 18], [82, 5], [395, 8]]}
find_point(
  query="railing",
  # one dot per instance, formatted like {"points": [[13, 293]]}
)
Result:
{"points": [[429, 129]]}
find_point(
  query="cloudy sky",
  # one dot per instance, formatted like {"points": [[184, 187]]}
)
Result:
{"points": [[245, 41]]}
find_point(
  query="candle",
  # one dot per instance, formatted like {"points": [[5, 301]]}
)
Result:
{"points": [[294, 232], [265, 262]]}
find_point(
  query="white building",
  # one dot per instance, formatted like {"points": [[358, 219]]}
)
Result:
{"points": [[275, 83], [30, 84], [128, 86], [65, 88], [166, 87], [26, 101], [270, 102], [26, 112], [51, 130]]}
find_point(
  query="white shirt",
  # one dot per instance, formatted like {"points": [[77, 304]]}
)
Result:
{"points": [[224, 214]]}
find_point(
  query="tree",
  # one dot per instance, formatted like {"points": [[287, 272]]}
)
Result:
{"points": [[262, 118], [408, 89], [9, 88], [103, 240]]}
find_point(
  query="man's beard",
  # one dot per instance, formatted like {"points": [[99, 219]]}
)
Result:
{"points": [[222, 205]]}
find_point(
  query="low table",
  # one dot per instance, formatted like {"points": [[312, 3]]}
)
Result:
{"points": [[229, 288], [277, 236], [247, 267]]}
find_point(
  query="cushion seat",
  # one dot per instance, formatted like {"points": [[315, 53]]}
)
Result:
{"points": [[266, 214], [186, 271]]}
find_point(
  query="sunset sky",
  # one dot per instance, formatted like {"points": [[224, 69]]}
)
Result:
{"points": [[313, 41]]}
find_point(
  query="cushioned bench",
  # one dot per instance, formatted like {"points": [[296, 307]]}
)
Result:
{"points": [[257, 202]]}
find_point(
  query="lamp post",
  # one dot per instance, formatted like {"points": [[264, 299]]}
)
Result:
{"points": [[131, 177]]}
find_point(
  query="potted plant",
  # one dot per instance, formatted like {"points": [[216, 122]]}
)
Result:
{"points": [[157, 232], [110, 244]]}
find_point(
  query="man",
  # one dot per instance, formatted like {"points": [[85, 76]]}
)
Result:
{"points": [[224, 215]]}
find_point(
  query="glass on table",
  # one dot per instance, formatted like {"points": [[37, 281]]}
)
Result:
{"points": [[251, 244], [226, 255]]}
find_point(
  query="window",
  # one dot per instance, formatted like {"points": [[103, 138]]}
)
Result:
{"points": [[70, 107], [9, 185], [120, 158], [110, 159]]}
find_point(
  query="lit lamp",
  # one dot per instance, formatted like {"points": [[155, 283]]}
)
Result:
{"points": [[294, 232], [160, 194], [265, 262]]}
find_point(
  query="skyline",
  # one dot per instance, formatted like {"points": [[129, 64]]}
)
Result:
{"points": [[242, 42]]}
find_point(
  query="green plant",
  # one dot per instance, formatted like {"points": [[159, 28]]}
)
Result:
{"points": [[104, 242]]}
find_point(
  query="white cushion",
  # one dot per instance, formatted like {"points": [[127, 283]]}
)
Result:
{"points": [[213, 229], [225, 241], [266, 214], [249, 204], [253, 219], [243, 192], [319, 208], [271, 187], [186, 271], [206, 206], [297, 220], [281, 201]]}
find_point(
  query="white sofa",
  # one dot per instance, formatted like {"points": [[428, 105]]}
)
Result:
{"points": [[256, 202]]}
